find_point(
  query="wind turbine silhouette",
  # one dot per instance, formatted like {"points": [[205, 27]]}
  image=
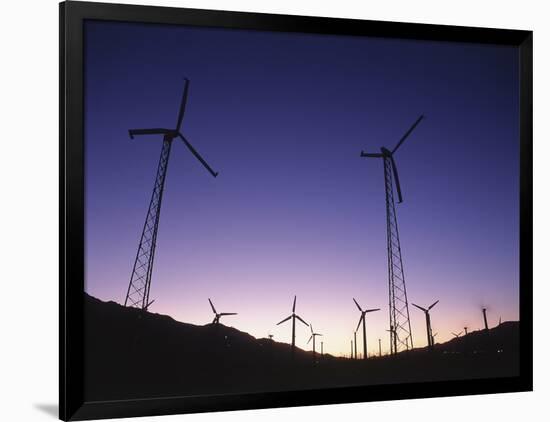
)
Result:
{"points": [[393, 336], [293, 316], [398, 303], [428, 321], [139, 287], [355, 344], [456, 335], [362, 320], [465, 331], [217, 316], [313, 335], [484, 310]]}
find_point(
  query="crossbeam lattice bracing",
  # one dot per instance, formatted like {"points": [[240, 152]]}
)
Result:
{"points": [[400, 325], [140, 280]]}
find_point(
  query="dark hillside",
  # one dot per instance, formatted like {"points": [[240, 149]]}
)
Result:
{"points": [[131, 354]]}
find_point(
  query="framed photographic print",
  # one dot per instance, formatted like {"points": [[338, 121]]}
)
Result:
{"points": [[266, 210]]}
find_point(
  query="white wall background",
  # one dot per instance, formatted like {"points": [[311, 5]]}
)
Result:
{"points": [[29, 206]]}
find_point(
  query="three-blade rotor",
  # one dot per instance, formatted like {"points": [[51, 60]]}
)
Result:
{"points": [[312, 333], [293, 315], [220, 314], [363, 313], [426, 309], [171, 134]]}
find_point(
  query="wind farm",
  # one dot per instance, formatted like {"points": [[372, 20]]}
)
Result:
{"points": [[282, 263]]}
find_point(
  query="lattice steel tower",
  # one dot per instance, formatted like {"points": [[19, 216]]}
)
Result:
{"points": [[400, 324], [140, 281]]}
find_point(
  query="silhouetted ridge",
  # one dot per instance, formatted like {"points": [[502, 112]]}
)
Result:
{"points": [[136, 354]]}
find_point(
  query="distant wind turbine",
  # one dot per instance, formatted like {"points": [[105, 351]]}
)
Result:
{"points": [[217, 316], [313, 335], [457, 335], [362, 320], [293, 316], [484, 310], [428, 321]]}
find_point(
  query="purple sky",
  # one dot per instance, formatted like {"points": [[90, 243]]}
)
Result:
{"points": [[295, 210]]}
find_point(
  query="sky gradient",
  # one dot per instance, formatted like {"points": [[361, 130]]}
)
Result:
{"points": [[295, 210]]}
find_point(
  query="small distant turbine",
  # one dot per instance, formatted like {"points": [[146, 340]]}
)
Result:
{"points": [[484, 310], [465, 331], [293, 316], [217, 316], [362, 320], [313, 335], [457, 335], [428, 321]]}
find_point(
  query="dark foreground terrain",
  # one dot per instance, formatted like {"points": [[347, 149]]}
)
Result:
{"points": [[131, 354]]}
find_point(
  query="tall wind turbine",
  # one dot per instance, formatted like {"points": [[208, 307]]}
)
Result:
{"points": [[217, 315], [362, 320], [428, 321], [140, 281], [398, 303], [293, 316], [313, 335]]}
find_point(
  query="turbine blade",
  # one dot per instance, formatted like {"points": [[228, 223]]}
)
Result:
{"points": [[212, 305], [182, 105], [197, 156], [284, 320], [294, 304], [371, 154], [301, 319], [359, 307], [309, 339], [433, 304], [420, 307], [372, 310], [311, 328], [228, 313], [407, 133], [360, 319], [154, 131], [396, 177]]}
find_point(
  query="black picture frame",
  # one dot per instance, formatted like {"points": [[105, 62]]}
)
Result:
{"points": [[71, 395]]}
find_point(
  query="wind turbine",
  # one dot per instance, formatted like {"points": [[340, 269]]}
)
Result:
{"points": [[428, 321], [465, 331], [293, 316], [217, 316], [398, 302], [140, 281], [313, 335], [484, 310], [456, 335], [393, 334], [355, 344], [362, 320]]}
